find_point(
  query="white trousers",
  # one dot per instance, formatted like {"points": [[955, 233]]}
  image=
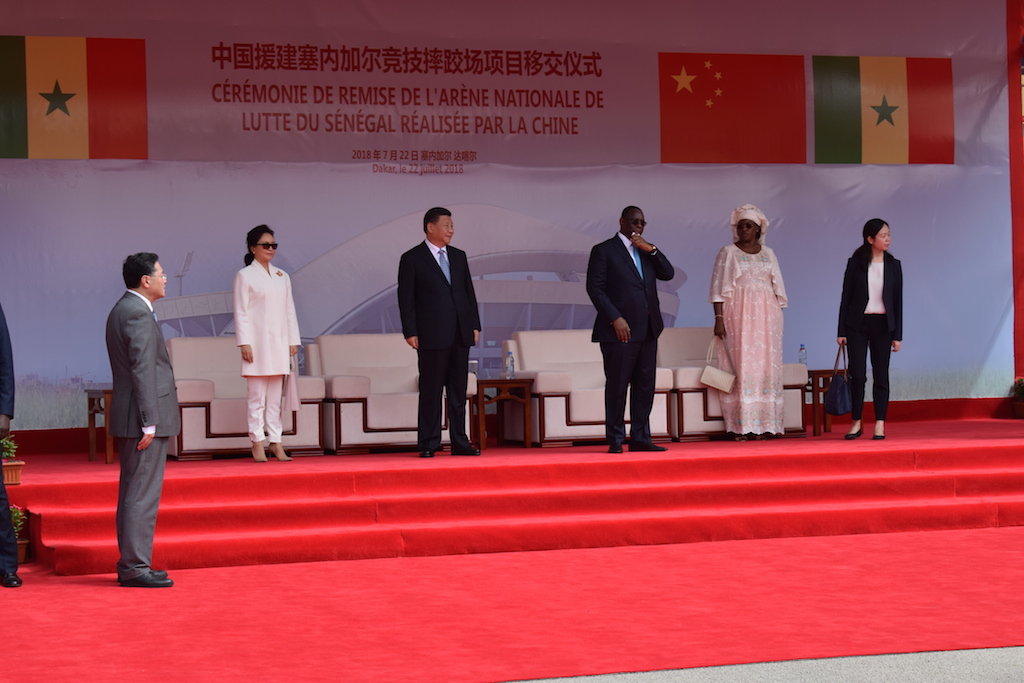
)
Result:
{"points": [[263, 407]]}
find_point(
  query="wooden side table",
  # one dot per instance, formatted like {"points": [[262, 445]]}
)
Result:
{"points": [[819, 381], [99, 402], [517, 390]]}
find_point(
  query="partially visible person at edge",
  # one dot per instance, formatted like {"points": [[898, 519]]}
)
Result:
{"points": [[622, 280], [143, 416], [748, 296], [8, 539], [871, 319], [441, 320], [267, 334]]}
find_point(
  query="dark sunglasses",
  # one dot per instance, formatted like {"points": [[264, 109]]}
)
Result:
{"points": [[267, 245], [639, 221]]}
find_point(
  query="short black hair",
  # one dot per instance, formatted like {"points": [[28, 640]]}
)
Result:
{"points": [[137, 265], [434, 215], [625, 212]]}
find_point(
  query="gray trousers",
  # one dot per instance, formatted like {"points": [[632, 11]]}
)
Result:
{"points": [[142, 480]]}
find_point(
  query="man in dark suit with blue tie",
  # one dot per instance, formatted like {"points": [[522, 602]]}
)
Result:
{"points": [[143, 416], [621, 281], [8, 540], [440, 319]]}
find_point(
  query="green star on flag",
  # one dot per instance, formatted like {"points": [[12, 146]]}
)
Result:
{"points": [[57, 99], [884, 112]]}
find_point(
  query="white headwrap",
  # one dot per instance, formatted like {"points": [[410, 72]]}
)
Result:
{"points": [[749, 212]]}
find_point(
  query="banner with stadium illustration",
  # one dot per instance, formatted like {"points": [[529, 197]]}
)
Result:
{"points": [[176, 129]]}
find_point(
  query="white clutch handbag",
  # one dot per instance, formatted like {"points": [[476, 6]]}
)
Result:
{"points": [[714, 376]]}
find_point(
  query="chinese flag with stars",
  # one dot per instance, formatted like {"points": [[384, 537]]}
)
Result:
{"points": [[724, 108], [73, 98]]}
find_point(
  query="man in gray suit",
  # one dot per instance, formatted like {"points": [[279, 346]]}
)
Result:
{"points": [[143, 415]]}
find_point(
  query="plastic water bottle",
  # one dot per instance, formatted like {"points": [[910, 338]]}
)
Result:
{"points": [[801, 355], [510, 367]]}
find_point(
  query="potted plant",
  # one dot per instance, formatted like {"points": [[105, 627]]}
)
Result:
{"points": [[18, 522], [1017, 392], [12, 466]]}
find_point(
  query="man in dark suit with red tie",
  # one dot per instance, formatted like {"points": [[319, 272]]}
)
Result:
{"points": [[621, 281], [440, 319]]}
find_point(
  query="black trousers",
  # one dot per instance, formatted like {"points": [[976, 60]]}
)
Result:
{"points": [[632, 366], [8, 541], [873, 335], [443, 371]]}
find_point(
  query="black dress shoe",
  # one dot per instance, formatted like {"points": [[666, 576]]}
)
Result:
{"points": [[878, 437], [11, 580], [148, 580], [646, 446], [426, 454], [615, 448], [854, 435], [465, 451]]}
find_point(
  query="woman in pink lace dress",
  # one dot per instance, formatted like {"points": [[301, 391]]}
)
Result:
{"points": [[748, 296]]}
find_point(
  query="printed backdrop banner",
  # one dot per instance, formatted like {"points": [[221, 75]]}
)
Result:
{"points": [[426, 105], [338, 123]]}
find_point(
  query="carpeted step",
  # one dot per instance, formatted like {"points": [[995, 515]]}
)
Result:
{"points": [[226, 513], [272, 546], [184, 511]]}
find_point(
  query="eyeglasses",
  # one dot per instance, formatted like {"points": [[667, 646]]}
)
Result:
{"points": [[267, 245], [638, 221], [162, 276]]}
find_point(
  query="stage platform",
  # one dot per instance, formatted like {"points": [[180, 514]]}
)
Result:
{"points": [[959, 474]]}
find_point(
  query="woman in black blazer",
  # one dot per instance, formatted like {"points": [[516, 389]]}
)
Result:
{"points": [[871, 318]]}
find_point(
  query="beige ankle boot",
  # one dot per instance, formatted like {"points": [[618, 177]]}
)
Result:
{"points": [[257, 452], [278, 451]]}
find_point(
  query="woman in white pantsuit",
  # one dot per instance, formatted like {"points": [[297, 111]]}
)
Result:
{"points": [[267, 332]]}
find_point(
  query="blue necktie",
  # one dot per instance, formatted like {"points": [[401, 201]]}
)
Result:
{"points": [[636, 259], [442, 257]]}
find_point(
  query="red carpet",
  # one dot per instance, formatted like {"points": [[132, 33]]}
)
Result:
{"points": [[803, 591], [925, 476], [509, 616]]}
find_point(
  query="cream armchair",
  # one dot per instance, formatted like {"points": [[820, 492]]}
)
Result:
{"points": [[696, 409], [372, 395], [211, 396], [568, 388]]}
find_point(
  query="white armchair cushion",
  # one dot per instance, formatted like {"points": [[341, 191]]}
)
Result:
{"points": [[549, 382], [663, 379], [347, 386], [311, 388], [194, 390]]}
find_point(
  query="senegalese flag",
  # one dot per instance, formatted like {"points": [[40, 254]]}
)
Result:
{"points": [[73, 98], [883, 110], [732, 108]]}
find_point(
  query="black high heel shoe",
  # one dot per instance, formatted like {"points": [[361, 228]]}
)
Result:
{"points": [[854, 435]]}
